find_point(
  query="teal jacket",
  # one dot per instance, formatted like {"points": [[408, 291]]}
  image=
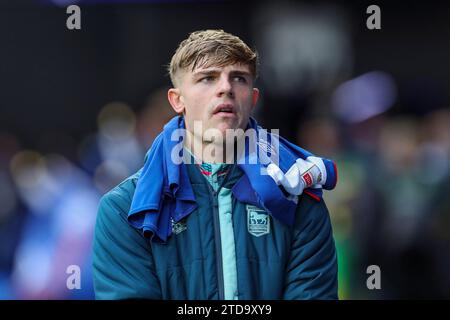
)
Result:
{"points": [[271, 260]]}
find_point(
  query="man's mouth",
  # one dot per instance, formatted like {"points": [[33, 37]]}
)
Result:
{"points": [[224, 109]]}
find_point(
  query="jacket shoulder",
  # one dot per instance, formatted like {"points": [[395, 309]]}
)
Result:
{"points": [[310, 210], [120, 197]]}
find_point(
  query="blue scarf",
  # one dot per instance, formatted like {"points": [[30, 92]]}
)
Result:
{"points": [[164, 193]]}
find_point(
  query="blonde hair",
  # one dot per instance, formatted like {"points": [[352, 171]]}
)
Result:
{"points": [[208, 48]]}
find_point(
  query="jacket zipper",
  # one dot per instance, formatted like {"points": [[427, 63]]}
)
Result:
{"points": [[218, 243]]}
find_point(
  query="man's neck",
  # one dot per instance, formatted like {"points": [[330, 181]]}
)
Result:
{"points": [[210, 151]]}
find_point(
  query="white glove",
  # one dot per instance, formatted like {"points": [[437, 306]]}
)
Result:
{"points": [[301, 175]]}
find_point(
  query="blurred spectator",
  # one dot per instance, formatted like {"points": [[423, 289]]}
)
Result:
{"points": [[153, 116]]}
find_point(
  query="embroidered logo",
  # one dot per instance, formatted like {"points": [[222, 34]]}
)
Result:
{"points": [[308, 179], [178, 227], [258, 221]]}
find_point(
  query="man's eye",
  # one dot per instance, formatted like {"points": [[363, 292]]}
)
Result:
{"points": [[240, 79], [206, 79]]}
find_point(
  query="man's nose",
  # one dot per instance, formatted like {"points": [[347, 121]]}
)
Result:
{"points": [[225, 87]]}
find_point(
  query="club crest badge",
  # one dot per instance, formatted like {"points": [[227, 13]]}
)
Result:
{"points": [[178, 227], [258, 221]]}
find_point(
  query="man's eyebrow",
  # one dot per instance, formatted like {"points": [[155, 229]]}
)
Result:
{"points": [[240, 73], [205, 72], [233, 73]]}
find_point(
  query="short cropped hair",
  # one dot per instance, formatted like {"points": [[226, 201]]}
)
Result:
{"points": [[208, 48]]}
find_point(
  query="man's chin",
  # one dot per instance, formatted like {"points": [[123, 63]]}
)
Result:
{"points": [[223, 126]]}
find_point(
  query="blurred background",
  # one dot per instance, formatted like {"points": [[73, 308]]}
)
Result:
{"points": [[79, 109]]}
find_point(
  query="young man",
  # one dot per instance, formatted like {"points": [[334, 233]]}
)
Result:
{"points": [[215, 226]]}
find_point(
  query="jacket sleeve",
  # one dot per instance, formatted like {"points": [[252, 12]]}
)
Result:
{"points": [[312, 267], [122, 258]]}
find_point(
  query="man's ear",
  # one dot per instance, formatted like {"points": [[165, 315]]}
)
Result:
{"points": [[174, 97], [255, 97]]}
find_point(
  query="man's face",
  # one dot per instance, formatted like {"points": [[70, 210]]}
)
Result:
{"points": [[219, 97]]}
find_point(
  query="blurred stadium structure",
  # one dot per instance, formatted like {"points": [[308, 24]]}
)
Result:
{"points": [[79, 109]]}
